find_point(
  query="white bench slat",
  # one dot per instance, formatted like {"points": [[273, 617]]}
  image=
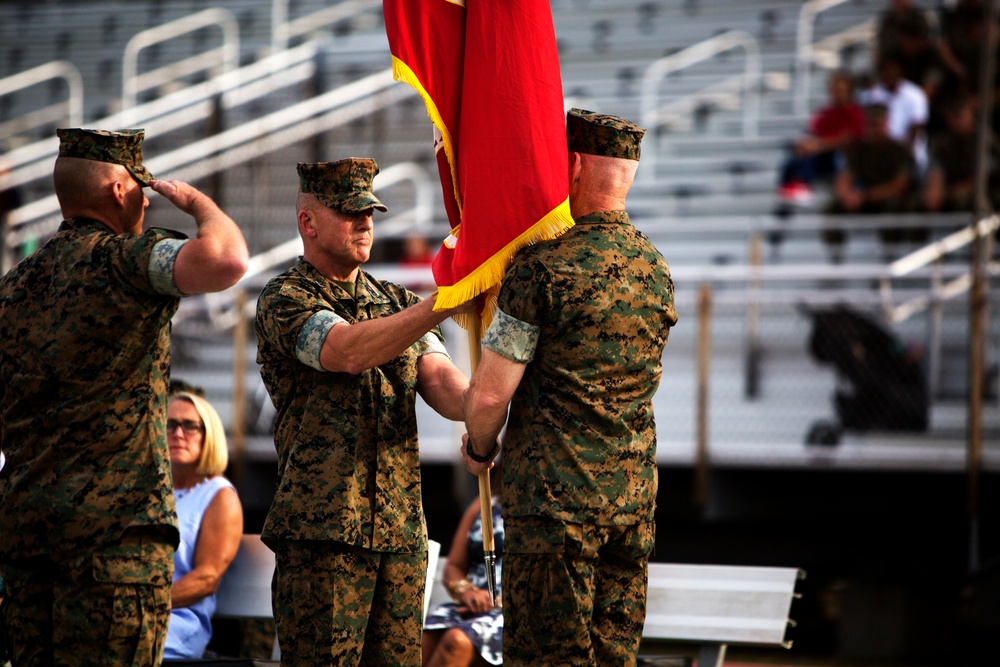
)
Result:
{"points": [[718, 603], [245, 589]]}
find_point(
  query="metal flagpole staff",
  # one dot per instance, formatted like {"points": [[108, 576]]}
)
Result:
{"points": [[485, 494]]}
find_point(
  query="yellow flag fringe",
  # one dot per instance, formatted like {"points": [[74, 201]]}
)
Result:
{"points": [[402, 72], [486, 278]]}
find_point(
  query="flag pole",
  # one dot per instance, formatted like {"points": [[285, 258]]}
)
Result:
{"points": [[485, 494]]}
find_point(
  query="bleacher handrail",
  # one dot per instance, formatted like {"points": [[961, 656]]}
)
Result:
{"points": [[229, 52], [804, 50], [57, 69], [247, 141], [283, 29], [32, 161], [932, 254], [749, 83]]}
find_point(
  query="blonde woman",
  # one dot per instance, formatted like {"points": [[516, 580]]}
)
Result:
{"points": [[210, 518]]}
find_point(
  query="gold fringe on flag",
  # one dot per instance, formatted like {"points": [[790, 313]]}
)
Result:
{"points": [[402, 72], [486, 278]]}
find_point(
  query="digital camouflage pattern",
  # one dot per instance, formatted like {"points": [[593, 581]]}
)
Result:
{"points": [[84, 371], [348, 461], [566, 604], [114, 603], [580, 444], [344, 185], [602, 134], [362, 607], [123, 147]]}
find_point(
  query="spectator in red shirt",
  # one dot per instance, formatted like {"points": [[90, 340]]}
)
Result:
{"points": [[832, 129]]}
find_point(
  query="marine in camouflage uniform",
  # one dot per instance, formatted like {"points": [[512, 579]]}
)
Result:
{"points": [[87, 515], [576, 347], [343, 356]]}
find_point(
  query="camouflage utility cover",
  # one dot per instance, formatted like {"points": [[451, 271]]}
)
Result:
{"points": [[123, 147], [580, 444], [348, 462], [84, 371], [602, 134], [344, 185]]}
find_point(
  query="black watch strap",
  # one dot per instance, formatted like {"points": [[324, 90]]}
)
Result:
{"points": [[492, 454]]}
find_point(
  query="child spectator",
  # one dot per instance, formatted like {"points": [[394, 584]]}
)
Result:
{"points": [[832, 129]]}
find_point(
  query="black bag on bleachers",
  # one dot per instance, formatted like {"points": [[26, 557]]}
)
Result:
{"points": [[887, 389]]}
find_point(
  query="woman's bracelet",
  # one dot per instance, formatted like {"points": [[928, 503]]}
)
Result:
{"points": [[458, 588]]}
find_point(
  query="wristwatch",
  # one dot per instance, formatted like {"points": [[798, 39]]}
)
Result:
{"points": [[492, 454]]}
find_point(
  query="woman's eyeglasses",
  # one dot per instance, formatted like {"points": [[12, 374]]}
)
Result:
{"points": [[189, 426]]}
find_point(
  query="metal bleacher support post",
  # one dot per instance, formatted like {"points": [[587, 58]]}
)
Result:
{"points": [[701, 470], [651, 113]]}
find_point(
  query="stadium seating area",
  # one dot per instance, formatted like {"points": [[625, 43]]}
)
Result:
{"points": [[203, 77], [232, 94]]}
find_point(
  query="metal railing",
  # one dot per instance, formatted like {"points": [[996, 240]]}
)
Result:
{"points": [[805, 49], [245, 142], [747, 85], [283, 29], [174, 110], [226, 57], [70, 110]]}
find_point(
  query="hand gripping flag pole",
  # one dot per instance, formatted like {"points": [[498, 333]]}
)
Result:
{"points": [[488, 73], [485, 494]]}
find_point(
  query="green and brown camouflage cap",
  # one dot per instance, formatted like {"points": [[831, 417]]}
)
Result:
{"points": [[602, 134], [344, 185], [123, 147]]}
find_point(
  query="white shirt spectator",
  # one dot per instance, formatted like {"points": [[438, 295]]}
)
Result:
{"points": [[908, 106]]}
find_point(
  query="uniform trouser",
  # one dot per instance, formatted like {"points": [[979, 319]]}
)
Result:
{"points": [[106, 606], [573, 594], [335, 604]]}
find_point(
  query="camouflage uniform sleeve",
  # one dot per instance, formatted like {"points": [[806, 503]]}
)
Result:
{"points": [[431, 342], [140, 262], [511, 338], [309, 343], [294, 322], [161, 266]]}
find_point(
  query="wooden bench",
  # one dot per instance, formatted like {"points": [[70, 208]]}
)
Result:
{"points": [[710, 606], [714, 606]]}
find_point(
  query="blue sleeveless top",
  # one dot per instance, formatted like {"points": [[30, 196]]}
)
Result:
{"points": [[191, 627]]}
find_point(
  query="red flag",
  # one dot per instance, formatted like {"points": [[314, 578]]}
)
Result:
{"points": [[488, 72]]}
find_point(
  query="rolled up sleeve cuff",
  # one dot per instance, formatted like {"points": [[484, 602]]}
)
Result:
{"points": [[432, 344], [310, 342], [511, 338], [161, 266]]}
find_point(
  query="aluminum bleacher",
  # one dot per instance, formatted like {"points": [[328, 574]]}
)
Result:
{"points": [[708, 192]]}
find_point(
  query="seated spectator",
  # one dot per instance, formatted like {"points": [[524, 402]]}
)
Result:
{"points": [[469, 630], [210, 518], [832, 128], [907, 104], [878, 178], [951, 177]]}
